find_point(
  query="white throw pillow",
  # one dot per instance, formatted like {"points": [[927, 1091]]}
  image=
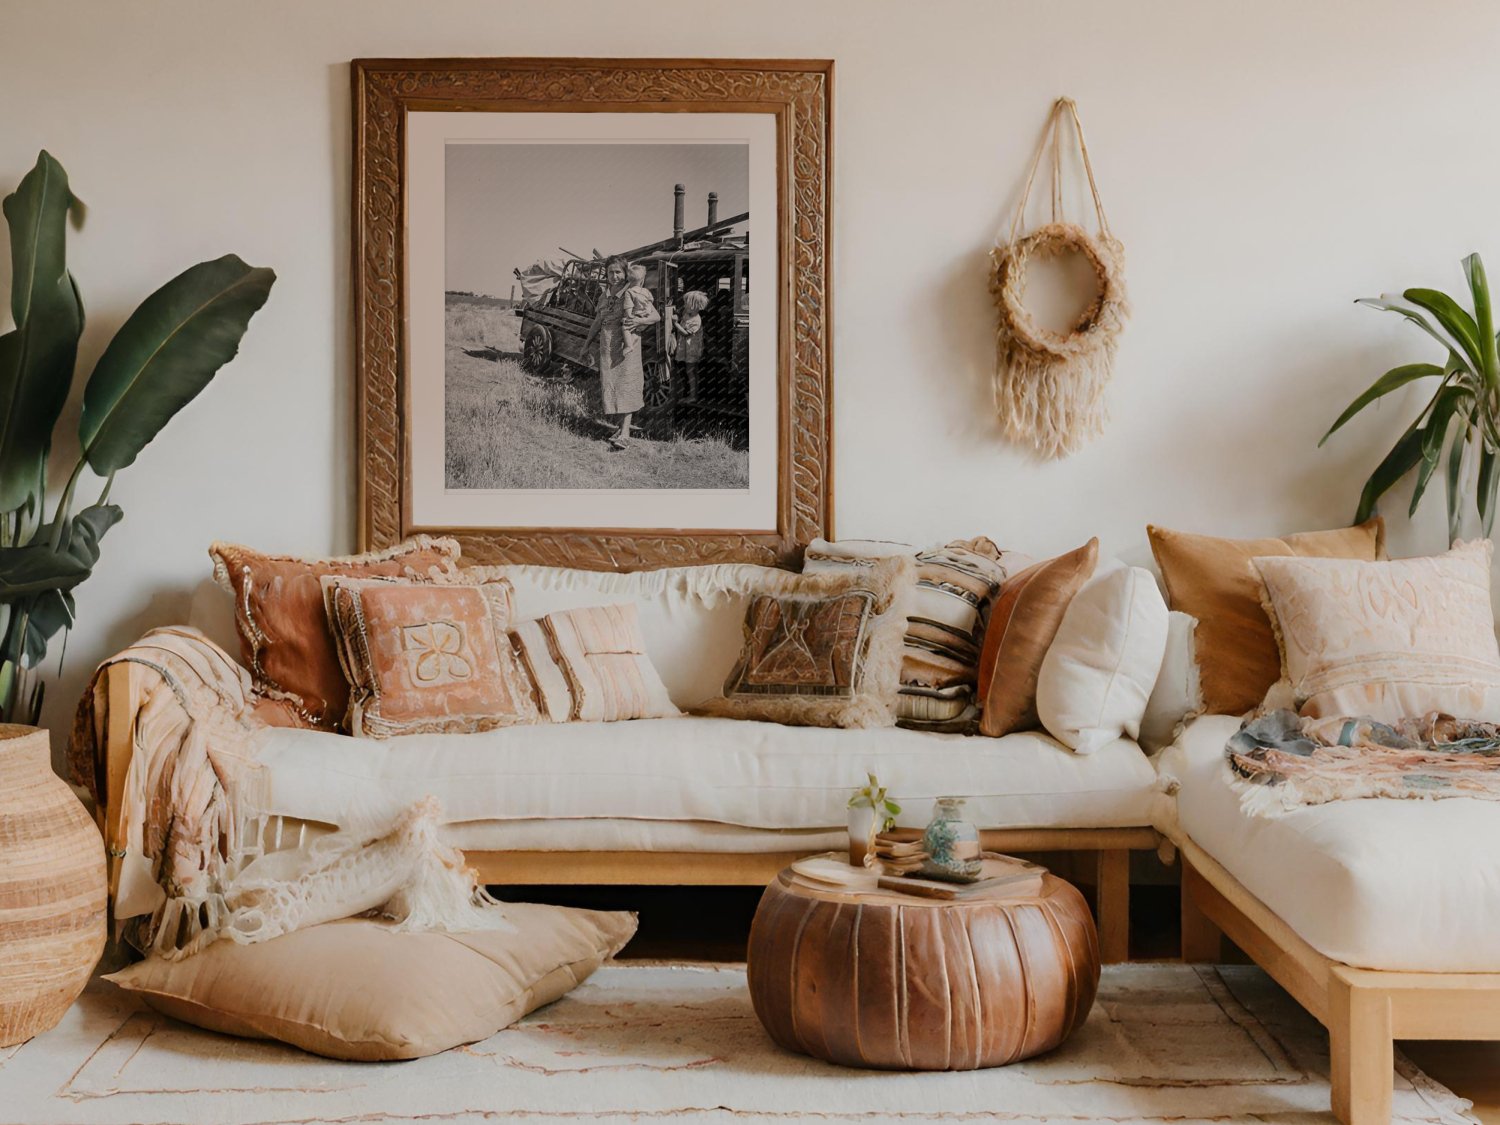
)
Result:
{"points": [[1098, 674], [1178, 694]]}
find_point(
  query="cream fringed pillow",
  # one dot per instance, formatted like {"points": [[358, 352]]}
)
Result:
{"points": [[1388, 640], [427, 657], [590, 665], [823, 650], [356, 990]]}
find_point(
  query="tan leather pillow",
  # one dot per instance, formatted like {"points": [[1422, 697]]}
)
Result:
{"points": [[285, 640], [1214, 580], [1023, 623], [427, 657], [357, 990]]}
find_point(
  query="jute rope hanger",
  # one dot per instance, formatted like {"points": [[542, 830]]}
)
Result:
{"points": [[1049, 386]]}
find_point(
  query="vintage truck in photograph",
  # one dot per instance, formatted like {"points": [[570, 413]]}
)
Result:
{"points": [[714, 259]]}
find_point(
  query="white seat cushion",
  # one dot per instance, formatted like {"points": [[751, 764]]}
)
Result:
{"points": [[1379, 884], [730, 771]]}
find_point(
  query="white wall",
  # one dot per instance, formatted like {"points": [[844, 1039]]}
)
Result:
{"points": [[1264, 164]]}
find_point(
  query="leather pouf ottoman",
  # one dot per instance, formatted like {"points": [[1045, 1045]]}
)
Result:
{"points": [[889, 980]]}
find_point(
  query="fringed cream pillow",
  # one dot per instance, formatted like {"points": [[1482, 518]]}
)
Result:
{"points": [[590, 665], [1387, 640], [823, 649]]}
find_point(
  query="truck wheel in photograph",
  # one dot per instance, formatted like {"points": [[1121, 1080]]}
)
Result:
{"points": [[536, 351]]}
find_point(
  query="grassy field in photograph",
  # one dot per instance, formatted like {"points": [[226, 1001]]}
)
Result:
{"points": [[507, 429]]}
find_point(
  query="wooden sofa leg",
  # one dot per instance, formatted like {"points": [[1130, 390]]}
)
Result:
{"points": [[1361, 1052], [1112, 886], [1202, 941]]}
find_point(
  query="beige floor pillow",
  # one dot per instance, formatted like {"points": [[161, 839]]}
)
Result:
{"points": [[356, 990]]}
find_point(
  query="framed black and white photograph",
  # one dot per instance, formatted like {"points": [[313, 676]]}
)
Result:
{"points": [[602, 303]]}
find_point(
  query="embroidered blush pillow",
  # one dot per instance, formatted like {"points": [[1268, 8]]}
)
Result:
{"points": [[590, 665], [424, 657], [284, 635], [1388, 640], [823, 649]]}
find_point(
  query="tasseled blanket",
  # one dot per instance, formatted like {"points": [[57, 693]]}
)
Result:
{"points": [[1280, 761], [190, 841]]}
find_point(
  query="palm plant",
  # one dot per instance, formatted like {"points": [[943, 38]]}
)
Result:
{"points": [[1458, 426], [163, 355]]}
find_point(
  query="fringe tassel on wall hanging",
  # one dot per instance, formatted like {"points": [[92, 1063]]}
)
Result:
{"points": [[1049, 386]]}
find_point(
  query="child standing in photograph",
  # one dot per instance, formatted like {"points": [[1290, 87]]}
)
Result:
{"points": [[638, 303], [687, 337]]}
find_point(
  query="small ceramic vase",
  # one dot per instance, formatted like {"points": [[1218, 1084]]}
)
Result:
{"points": [[861, 832], [951, 843]]}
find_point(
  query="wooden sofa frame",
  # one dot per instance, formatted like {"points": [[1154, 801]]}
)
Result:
{"points": [[1111, 846], [1364, 1010]]}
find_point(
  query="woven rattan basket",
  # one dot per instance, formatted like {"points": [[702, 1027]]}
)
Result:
{"points": [[52, 888]]}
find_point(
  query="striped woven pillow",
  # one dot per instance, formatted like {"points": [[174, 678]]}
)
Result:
{"points": [[956, 583]]}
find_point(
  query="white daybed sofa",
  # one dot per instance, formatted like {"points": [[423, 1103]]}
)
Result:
{"points": [[1380, 916], [682, 800]]}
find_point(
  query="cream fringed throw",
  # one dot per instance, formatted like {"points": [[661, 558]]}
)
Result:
{"points": [[193, 864], [1049, 386]]}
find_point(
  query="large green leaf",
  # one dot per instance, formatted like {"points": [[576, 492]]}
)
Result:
{"points": [[1391, 302], [81, 539], [37, 356], [1402, 458], [1454, 319], [1488, 480], [1454, 480], [1448, 402], [35, 568], [1393, 379], [166, 353], [1484, 317]]}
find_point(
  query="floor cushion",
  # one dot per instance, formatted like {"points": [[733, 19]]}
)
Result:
{"points": [[1376, 883], [357, 990]]}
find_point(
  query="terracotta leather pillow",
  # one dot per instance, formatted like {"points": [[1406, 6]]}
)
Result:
{"points": [[427, 657], [1023, 622], [285, 640], [1215, 581], [357, 990]]}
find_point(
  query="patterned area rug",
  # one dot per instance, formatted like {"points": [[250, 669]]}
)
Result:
{"points": [[640, 1042]]}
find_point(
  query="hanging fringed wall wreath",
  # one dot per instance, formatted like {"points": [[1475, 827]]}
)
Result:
{"points": [[1049, 386]]}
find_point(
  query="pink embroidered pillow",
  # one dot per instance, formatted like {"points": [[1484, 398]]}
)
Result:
{"points": [[1390, 640], [427, 657], [590, 665]]}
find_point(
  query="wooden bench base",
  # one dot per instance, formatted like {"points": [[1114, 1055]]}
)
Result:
{"points": [[1112, 847], [1364, 1010]]}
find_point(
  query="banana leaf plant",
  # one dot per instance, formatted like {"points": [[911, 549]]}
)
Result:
{"points": [[164, 354], [1457, 428]]}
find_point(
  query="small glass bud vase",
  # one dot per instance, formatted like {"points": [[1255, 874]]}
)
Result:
{"points": [[951, 843]]}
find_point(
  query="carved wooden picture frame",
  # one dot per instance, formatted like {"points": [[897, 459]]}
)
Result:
{"points": [[388, 97]]}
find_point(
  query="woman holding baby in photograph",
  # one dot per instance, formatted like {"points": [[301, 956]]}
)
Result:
{"points": [[625, 309]]}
